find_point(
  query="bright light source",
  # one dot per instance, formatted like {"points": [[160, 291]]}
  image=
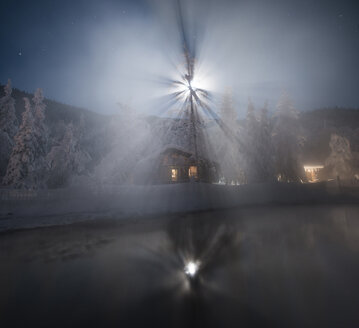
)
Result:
{"points": [[191, 268], [195, 83]]}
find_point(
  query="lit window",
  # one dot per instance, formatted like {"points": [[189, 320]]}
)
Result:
{"points": [[312, 172], [174, 174], [192, 172]]}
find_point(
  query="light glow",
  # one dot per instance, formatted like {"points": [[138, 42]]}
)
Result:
{"points": [[191, 268], [196, 83], [312, 168], [192, 171], [174, 174], [312, 172]]}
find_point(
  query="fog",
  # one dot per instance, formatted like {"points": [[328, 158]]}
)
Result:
{"points": [[102, 54], [258, 50]]}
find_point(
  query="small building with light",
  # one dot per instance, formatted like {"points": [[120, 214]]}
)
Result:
{"points": [[177, 165], [312, 172]]}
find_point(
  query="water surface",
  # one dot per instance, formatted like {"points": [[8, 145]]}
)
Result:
{"points": [[288, 266]]}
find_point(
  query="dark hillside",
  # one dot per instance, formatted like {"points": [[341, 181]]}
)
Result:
{"points": [[55, 111], [331, 117], [93, 126]]}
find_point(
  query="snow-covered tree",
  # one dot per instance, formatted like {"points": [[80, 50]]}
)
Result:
{"points": [[251, 119], [6, 144], [8, 120], [228, 113], [265, 149], [340, 158], [257, 148], [66, 159], [226, 154], [26, 168], [39, 118], [219, 147], [8, 127], [250, 145], [287, 141]]}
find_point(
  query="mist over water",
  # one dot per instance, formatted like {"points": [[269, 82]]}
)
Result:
{"points": [[259, 267]]}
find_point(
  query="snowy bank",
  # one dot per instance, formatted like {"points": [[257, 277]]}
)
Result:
{"points": [[66, 206]]}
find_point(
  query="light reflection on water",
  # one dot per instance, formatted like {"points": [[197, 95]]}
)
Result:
{"points": [[271, 266]]}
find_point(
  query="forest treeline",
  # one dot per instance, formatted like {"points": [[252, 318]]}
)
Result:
{"points": [[46, 144]]}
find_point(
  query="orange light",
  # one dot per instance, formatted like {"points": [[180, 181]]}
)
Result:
{"points": [[174, 174], [311, 168], [192, 172]]}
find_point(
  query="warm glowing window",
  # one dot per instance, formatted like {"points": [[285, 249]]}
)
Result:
{"points": [[312, 172], [174, 174], [309, 168], [192, 172]]}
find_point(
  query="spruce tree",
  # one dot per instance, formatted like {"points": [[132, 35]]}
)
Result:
{"points": [[227, 150], [340, 158], [8, 120], [265, 147], [249, 137], [39, 121], [287, 141], [27, 165], [21, 167], [8, 127], [228, 113], [66, 159]]}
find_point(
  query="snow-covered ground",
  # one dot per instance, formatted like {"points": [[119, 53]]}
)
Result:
{"points": [[73, 205]]}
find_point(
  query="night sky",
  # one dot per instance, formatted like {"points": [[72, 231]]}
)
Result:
{"points": [[95, 54]]}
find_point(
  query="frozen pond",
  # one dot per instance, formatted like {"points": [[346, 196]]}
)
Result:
{"points": [[288, 266]]}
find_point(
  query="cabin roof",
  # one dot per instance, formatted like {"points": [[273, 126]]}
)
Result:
{"points": [[173, 148]]}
